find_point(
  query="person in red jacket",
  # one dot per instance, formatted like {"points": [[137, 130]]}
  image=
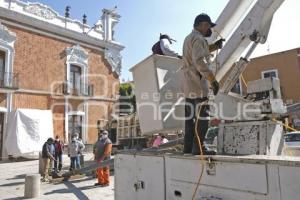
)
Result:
{"points": [[59, 149], [162, 47]]}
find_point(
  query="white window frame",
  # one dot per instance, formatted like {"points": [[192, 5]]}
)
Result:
{"points": [[77, 56], [268, 71], [7, 40], [83, 115], [83, 76]]}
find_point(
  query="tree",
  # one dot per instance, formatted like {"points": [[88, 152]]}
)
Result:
{"points": [[127, 102]]}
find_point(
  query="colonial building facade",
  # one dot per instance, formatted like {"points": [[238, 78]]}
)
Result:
{"points": [[51, 62]]}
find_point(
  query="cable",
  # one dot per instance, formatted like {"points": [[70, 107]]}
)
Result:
{"points": [[245, 83], [202, 161], [286, 126]]}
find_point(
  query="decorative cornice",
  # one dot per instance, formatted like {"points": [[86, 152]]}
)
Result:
{"points": [[42, 19], [111, 12], [114, 58], [77, 54], [7, 36], [40, 10]]}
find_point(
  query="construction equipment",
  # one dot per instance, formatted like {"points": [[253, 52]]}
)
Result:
{"points": [[260, 173], [251, 167]]}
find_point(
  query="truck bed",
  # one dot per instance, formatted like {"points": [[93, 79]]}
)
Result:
{"points": [[150, 175]]}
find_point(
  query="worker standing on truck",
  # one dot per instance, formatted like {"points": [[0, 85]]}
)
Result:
{"points": [[162, 47], [102, 151], [196, 60]]}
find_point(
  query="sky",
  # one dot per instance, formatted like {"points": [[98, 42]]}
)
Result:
{"points": [[143, 20], [285, 30]]}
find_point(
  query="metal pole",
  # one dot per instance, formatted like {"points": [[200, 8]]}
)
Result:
{"points": [[110, 162], [250, 51]]}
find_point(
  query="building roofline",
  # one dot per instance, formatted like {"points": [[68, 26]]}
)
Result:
{"points": [[280, 52], [15, 16]]}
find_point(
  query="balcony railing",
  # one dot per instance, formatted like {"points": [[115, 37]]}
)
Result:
{"points": [[9, 80], [83, 90]]}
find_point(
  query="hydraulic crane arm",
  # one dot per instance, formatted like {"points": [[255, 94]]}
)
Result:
{"points": [[252, 27]]}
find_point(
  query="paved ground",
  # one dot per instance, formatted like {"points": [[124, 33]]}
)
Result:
{"points": [[12, 178]]}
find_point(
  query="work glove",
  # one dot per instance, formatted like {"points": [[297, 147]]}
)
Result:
{"points": [[215, 87], [219, 43]]}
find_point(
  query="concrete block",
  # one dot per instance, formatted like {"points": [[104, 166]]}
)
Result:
{"points": [[32, 186]]}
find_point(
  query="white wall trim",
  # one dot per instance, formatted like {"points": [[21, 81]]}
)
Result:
{"points": [[40, 12], [77, 56], [85, 122], [271, 70], [114, 58], [56, 36], [80, 113], [7, 40], [44, 20], [66, 121], [3, 110], [42, 17]]}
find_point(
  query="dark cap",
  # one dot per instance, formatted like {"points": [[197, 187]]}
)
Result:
{"points": [[203, 18], [50, 140]]}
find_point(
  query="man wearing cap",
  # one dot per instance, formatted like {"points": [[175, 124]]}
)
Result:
{"points": [[197, 75], [46, 156], [162, 47], [102, 151]]}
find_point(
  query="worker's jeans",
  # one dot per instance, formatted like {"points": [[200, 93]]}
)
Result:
{"points": [[75, 162], [191, 112], [58, 160]]}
